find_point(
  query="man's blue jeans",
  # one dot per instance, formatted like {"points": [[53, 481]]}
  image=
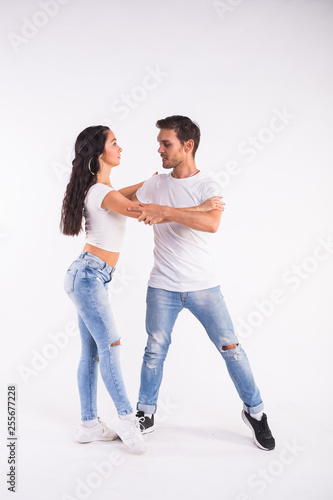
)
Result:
{"points": [[86, 285], [209, 307]]}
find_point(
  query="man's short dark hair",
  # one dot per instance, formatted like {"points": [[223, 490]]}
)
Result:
{"points": [[184, 127]]}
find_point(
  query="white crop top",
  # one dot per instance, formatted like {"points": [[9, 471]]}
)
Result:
{"points": [[104, 229]]}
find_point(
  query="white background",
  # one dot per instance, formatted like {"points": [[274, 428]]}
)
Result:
{"points": [[228, 67]]}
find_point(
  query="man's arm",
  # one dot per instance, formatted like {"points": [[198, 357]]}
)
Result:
{"points": [[191, 217], [201, 221]]}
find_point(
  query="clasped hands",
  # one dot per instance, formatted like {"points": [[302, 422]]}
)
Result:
{"points": [[154, 214]]}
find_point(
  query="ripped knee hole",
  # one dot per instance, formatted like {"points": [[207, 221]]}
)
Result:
{"points": [[115, 343], [149, 366], [230, 346]]}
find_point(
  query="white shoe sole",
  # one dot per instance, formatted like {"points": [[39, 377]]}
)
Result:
{"points": [[134, 443], [150, 429], [95, 440]]}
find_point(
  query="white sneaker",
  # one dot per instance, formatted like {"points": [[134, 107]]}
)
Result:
{"points": [[100, 432], [130, 434]]}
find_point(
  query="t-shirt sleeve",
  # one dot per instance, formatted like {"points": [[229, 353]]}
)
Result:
{"points": [[210, 189], [97, 194], [144, 193]]}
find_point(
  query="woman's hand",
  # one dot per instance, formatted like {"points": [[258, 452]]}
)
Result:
{"points": [[214, 203], [150, 213]]}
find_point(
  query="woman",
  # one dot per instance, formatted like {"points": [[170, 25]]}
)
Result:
{"points": [[90, 194]]}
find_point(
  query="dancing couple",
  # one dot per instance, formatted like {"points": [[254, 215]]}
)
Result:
{"points": [[184, 206]]}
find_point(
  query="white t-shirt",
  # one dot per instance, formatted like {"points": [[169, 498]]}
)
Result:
{"points": [[104, 229], [182, 256]]}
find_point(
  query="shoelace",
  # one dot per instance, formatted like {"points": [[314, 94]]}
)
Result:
{"points": [[141, 421], [264, 429], [103, 425], [136, 425]]}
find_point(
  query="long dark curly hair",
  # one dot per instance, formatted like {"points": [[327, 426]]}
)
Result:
{"points": [[89, 145]]}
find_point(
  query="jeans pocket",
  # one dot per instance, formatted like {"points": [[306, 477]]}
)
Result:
{"points": [[69, 280], [92, 274]]}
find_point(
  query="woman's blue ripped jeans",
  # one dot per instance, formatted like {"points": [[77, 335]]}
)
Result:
{"points": [[86, 285], [209, 308]]}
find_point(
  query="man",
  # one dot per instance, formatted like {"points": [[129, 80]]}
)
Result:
{"points": [[183, 275]]}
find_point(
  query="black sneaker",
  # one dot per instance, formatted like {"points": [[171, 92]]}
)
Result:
{"points": [[262, 435], [146, 423]]}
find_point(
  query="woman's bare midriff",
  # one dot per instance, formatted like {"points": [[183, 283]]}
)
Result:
{"points": [[111, 258]]}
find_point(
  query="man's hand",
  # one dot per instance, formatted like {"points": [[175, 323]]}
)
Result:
{"points": [[150, 213]]}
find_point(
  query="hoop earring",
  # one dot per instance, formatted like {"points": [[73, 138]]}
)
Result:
{"points": [[99, 173], [89, 166]]}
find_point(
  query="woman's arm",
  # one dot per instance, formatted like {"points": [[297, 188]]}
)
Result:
{"points": [[214, 203], [130, 190], [118, 203], [200, 217]]}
